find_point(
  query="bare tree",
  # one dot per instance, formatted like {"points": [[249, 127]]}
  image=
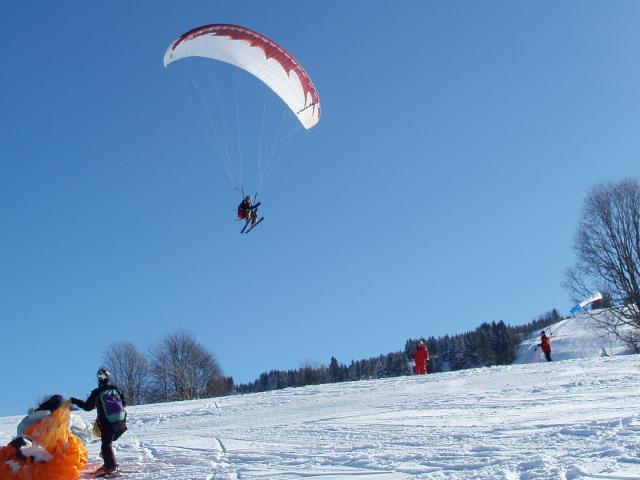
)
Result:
{"points": [[182, 369], [129, 370], [607, 245], [160, 370]]}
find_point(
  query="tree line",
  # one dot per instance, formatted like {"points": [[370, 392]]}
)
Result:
{"points": [[490, 344], [180, 368]]}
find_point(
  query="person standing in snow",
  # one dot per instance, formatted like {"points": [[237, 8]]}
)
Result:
{"points": [[545, 345], [110, 403], [421, 358]]}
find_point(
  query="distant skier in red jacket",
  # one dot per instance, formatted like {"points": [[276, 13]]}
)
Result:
{"points": [[420, 358], [545, 345]]}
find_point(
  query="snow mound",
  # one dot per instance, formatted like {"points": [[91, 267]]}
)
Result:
{"points": [[572, 338]]}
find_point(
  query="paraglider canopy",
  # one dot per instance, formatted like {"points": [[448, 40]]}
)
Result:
{"points": [[587, 301], [258, 55]]}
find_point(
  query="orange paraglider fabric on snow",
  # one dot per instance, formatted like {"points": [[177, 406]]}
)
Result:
{"points": [[68, 454]]}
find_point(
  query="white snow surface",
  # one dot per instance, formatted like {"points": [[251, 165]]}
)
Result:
{"points": [[571, 419]]}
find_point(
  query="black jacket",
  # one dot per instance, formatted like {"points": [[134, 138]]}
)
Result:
{"points": [[92, 402], [247, 206]]}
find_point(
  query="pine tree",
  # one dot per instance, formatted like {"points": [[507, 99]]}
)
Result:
{"points": [[337, 372], [486, 356]]}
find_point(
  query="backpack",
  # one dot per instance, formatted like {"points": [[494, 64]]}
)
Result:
{"points": [[112, 405]]}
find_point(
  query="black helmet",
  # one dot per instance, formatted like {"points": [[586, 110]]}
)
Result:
{"points": [[103, 375], [52, 403]]}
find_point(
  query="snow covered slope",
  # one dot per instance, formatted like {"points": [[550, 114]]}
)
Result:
{"points": [[572, 338], [570, 420]]}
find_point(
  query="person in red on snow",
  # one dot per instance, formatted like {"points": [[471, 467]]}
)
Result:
{"points": [[545, 345], [420, 358]]}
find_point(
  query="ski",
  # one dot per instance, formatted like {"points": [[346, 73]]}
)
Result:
{"points": [[116, 474], [99, 473], [254, 225], [108, 475], [253, 209]]}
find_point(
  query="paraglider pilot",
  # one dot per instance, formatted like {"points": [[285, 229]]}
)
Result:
{"points": [[247, 210]]}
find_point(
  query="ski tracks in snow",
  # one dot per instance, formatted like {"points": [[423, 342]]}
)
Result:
{"points": [[157, 446], [193, 457], [508, 423], [569, 420]]}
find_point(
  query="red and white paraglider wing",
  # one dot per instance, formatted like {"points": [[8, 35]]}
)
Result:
{"points": [[257, 55]]}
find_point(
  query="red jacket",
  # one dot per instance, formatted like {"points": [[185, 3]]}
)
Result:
{"points": [[545, 344], [421, 355]]}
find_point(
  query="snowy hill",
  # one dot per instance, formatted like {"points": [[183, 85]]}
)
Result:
{"points": [[571, 338], [570, 420]]}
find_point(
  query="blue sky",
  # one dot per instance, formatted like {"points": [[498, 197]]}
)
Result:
{"points": [[441, 189]]}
